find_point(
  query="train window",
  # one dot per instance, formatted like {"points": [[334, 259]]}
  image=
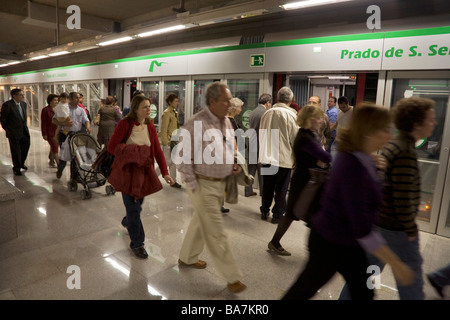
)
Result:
{"points": [[428, 149], [151, 91], [248, 91], [200, 92], [179, 88]]}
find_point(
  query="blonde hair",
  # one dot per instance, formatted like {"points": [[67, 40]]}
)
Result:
{"points": [[367, 119], [308, 112], [235, 103]]}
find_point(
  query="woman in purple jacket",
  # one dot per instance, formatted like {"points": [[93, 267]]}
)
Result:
{"points": [[342, 230]]}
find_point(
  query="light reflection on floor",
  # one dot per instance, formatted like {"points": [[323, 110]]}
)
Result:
{"points": [[57, 229]]}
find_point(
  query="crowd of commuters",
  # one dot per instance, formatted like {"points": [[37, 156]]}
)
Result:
{"points": [[374, 226]]}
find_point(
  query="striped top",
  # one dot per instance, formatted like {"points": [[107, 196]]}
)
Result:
{"points": [[401, 194]]}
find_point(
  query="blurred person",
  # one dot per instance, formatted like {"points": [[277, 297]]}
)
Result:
{"points": [[324, 132], [80, 104], [344, 118], [108, 118], [77, 118], [414, 118], [62, 114], [234, 110], [440, 279], [282, 120], [13, 117], [205, 184], [264, 104], [343, 230], [308, 154], [127, 108], [169, 126], [48, 129], [135, 146], [332, 113]]}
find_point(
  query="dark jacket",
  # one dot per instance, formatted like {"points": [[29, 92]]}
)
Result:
{"points": [[350, 201], [14, 125], [307, 150]]}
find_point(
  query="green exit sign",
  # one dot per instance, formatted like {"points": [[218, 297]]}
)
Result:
{"points": [[257, 60]]}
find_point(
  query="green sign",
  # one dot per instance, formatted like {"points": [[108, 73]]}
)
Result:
{"points": [[153, 111], [245, 118], [257, 60]]}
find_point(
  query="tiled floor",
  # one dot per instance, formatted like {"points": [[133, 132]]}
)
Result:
{"points": [[56, 230]]}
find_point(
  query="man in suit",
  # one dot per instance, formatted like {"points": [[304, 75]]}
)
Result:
{"points": [[13, 118]]}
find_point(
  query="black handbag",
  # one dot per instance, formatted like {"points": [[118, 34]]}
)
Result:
{"points": [[308, 201]]}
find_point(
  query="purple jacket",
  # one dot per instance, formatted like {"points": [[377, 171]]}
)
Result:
{"points": [[350, 203]]}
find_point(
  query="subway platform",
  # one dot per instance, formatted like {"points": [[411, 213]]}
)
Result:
{"points": [[58, 233]]}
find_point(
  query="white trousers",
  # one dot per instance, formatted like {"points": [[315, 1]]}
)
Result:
{"points": [[206, 227]]}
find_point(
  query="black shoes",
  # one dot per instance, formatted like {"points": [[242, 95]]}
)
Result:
{"points": [[176, 185], [24, 167], [58, 174], [264, 215], [276, 220], [224, 210], [140, 252], [17, 172]]}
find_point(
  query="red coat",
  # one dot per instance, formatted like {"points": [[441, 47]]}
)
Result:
{"points": [[133, 170]]}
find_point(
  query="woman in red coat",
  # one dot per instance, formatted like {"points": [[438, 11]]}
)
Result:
{"points": [[135, 146], [48, 128]]}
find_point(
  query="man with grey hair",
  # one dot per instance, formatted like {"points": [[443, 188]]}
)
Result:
{"points": [[205, 184], [277, 131]]}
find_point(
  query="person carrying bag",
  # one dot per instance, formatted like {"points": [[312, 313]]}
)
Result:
{"points": [[133, 172]]}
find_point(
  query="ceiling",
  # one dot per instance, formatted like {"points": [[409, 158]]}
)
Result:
{"points": [[28, 28]]}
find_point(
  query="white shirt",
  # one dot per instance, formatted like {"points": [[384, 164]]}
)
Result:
{"points": [[344, 119], [278, 150]]}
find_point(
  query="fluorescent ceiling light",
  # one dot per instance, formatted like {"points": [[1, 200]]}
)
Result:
{"points": [[160, 31], [3, 65], [339, 77], [85, 48], [119, 40], [38, 57], [14, 62], [54, 54], [308, 3]]}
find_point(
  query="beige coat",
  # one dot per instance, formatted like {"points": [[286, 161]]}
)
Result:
{"points": [[169, 123]]}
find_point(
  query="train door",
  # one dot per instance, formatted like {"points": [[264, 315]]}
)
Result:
{"points": [[246, 87], [178, 86], [200, 83], [151, 88], [433, 152]]}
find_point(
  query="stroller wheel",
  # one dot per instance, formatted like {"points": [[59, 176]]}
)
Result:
{"points": [[72, 185], [85, 194], [110, 190]]}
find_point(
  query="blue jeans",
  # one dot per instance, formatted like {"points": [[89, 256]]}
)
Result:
{"points": [[132, 221], [409, 253], [442, 276]]}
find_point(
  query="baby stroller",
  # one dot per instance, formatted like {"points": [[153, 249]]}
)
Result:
{"points": [[84, 150]]}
